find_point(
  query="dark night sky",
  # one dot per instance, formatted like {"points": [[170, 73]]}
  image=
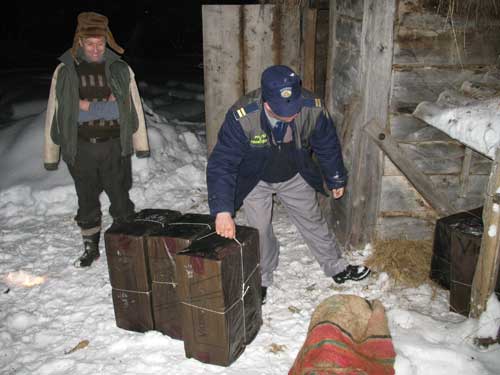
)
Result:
{"points": [[34, 34]]}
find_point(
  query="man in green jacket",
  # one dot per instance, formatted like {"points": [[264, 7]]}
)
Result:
{"points": [[95, 122]]}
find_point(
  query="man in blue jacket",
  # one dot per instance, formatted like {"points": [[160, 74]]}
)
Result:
{"points": [[265, 147]]}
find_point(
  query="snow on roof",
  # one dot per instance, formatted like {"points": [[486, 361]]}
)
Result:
{"points": [[471, 116]]}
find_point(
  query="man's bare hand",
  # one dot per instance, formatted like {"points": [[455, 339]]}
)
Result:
{"points": [[224, 225], [337, 193], [84, 105], [111, 98]]}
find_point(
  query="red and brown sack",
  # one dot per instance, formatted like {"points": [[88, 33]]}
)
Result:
{"points": [[347, 335]]}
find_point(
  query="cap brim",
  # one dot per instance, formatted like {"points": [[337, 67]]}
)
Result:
{"points": [[285, 108]]}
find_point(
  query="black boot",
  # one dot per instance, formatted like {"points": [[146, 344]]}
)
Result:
{"points": [[91, 250]]}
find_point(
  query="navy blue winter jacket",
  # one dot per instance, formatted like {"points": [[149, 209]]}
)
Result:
{"points": [[237, 161]]}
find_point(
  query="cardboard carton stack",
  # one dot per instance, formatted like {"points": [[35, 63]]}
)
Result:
{"points": [[172, 273], [163, 245], [128, 266], [219, 288]]}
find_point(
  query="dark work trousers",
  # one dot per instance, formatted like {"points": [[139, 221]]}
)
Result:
{"points": [[100, 167]]}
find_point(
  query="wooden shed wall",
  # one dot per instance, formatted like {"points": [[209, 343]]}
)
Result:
{"points": [[342, 93], [432, 54], [322, 33], [346, 20], [239, 42]]}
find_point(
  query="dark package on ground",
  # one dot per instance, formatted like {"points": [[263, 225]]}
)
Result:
{"points": [[166, 310], [126, 249], [128, 267], [457, 244], [163, 245], [133, 310], [469, 221], [219, 285], [465, 249]]}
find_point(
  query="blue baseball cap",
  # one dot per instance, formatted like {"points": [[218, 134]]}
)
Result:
{"points": [[282, 90]]}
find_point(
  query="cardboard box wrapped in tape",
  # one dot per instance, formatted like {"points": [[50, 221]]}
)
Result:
{"points": [[470, 224], [129, 274], [219, 286], [163, 245], [456, 248]]}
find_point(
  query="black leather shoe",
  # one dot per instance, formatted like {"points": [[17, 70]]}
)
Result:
{"points": [[354, 273], [90, 251], [263, 294]]}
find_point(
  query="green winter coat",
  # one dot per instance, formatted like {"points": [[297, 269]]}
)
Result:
{"points": [[61, 128]]}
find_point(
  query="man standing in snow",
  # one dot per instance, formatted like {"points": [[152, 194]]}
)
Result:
{"points": [[95, 121], [265, 147]]}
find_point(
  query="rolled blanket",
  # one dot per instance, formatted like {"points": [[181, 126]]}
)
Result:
{"points": [[347, 335]]}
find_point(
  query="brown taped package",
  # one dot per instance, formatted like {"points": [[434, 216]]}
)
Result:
{"points": [[128, 266], [163, 244], [465, 248], [219, 286], [457, 242]]}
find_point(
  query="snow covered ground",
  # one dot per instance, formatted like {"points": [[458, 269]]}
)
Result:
{"points": [[48, 307]]}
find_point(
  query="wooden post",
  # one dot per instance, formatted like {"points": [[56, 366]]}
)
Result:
{"points": [[465, 173], [308, 76], [222, 64], [488, 263], [376, 72], [288, 23], [332, 50], [257, 46]]}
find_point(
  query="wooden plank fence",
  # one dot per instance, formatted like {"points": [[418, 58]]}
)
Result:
{"points": [[239, 42]]}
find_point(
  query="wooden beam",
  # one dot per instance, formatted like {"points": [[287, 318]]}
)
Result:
{"points": [[437, 199], [485, 277], [308, 76], [423, 215], [256, 23], [465, 173], [222, 62], [287, 25], [376, 72], [332, 51]]}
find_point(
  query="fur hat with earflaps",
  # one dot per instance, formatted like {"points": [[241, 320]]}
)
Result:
{"points": [[92, 24]]}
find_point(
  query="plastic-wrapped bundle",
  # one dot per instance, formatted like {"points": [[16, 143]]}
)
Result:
{"points": [[129, 273], [219, 286], [163, 245], [457, 242]]}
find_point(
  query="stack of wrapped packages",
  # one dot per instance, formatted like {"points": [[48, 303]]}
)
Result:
{"points": [[171, 273]]}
